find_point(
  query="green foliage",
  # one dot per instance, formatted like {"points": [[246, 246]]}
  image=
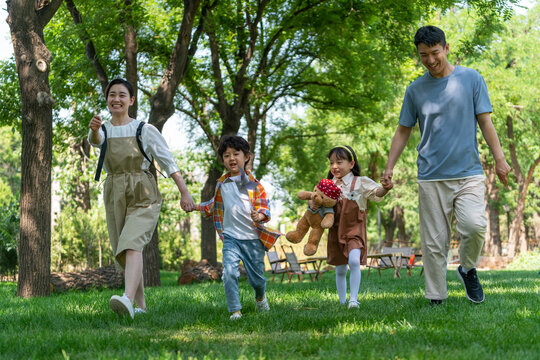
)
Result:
{"points": [[10, 163], [9, 235], [10, 99], [80, 240], [527, 261], [305, 321], [178, 230], [79, 237]]}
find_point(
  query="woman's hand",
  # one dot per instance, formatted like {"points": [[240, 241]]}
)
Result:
{"points": [[95, 123]]}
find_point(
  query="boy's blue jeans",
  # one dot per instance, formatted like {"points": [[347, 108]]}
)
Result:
{"points": [[251, 252]]}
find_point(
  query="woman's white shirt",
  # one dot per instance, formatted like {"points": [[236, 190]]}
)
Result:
{"points": [[153, 143]]}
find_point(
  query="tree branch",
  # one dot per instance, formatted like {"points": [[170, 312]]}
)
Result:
{"points": [[513, 154], [89, 48]]}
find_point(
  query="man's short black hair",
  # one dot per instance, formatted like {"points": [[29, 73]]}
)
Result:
{"points": [[429, 35], [235, 142]]}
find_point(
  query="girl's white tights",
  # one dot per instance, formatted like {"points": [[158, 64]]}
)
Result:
{"points": [[354, 277]]}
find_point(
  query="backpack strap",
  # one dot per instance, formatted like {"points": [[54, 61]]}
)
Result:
{"points": [[101, 154], [138, 136]]}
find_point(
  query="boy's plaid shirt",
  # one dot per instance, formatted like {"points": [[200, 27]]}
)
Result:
{"points": [[214, 207]]}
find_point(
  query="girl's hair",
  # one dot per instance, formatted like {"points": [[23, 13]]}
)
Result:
{"points": [[124, 82], [234, 142], [345, 153]]}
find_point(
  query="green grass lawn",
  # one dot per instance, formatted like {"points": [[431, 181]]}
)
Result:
{"points": [[394, 321]]}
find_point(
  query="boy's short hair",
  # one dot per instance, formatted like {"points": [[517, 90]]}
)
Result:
{"points": [[429, 35], [235, 142]]}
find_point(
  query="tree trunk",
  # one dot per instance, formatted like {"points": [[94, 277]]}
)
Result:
{"points": [[523, 186], [389, 229], [536, 229], [208, 230], [151, 262], [523, 240], [399, 220], [82, 188], [27, 20], [131, 49], [492, 245]]}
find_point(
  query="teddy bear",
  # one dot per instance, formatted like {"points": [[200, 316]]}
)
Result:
{"points": [[325, 196]]}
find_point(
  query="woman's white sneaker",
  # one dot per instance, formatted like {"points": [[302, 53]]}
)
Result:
{"points": [[122, 305]]}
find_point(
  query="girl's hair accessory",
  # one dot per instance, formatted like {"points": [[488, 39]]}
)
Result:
{"points": [[329, 189], [346, 148]]}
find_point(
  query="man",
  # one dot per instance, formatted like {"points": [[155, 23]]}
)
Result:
{"points": [[448, 101]]}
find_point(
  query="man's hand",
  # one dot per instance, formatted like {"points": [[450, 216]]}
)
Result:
{"points": [[187, 203], [502, 169], [386, 179]]}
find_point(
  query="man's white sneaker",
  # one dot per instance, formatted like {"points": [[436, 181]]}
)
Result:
{"points": [[353, 304], [236, 316], [121, 305], [263, 304]]}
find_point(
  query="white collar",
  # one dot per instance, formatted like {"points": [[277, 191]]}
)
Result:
{"points": [[347, 179]]}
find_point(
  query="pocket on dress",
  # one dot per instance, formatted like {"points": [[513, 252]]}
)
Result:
{"points": [[146, 192]]}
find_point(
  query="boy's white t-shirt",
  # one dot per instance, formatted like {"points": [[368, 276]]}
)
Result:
{"points": [[237, 222]]}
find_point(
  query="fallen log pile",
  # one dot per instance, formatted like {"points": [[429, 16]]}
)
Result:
{"points": [[193, 271], [103, 277]]}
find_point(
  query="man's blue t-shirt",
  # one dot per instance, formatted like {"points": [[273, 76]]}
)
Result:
{"points": [[446, 110]]}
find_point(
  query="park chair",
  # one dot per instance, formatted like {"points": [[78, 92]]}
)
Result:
{"points": [[407, 259], [275, 264], [381, 261], [390, 258], [299, 267]]}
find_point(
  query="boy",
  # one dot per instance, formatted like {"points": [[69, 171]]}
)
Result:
{"points": [[448, 102], [239, 208]]}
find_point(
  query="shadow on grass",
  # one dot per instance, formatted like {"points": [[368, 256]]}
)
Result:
{"points": [[305, 319]]}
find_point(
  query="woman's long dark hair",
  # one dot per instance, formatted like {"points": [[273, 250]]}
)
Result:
{"points": [[343, 154], [119, 81]]}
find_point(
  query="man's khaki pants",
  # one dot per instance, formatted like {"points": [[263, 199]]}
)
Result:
{"points": [[438, 200]]}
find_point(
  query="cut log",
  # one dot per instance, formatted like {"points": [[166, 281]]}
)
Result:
{"points": [[193, 271], [103, 277]]}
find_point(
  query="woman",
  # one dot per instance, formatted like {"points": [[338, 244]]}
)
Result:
{"points": [[132, 199]]}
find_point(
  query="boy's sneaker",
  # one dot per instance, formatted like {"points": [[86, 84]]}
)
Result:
{"points": [[263, 304], [138, 310], [435, 302], [121, 305], [473, 289], [236, 316], [352, 304]]}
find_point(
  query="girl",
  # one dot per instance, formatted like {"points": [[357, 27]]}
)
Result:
{"points": [[132, 199], [347, 237]]}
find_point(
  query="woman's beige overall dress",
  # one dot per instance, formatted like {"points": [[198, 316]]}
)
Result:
{"points": [[132, 199]]}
